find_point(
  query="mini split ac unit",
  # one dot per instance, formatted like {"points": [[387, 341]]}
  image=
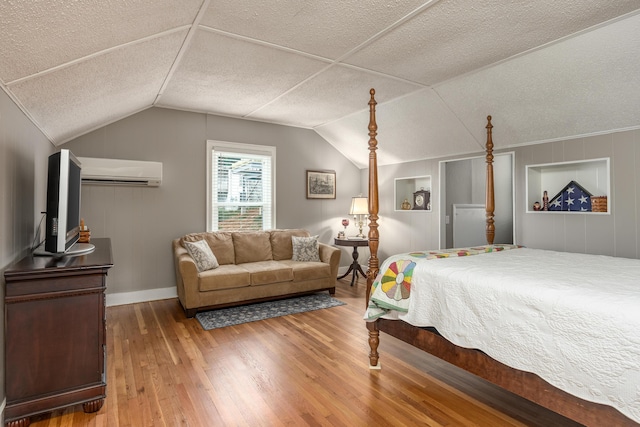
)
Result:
{"points": [[120, 172]]}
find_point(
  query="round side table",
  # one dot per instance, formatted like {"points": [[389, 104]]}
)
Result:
{"points": [[354, 268]]}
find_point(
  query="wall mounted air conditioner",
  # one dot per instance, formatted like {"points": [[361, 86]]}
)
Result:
{"points": [[120, 172]]}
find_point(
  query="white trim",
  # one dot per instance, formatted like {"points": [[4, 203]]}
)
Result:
{"points": [[548, 168], [242, 148], [123, 298], [2, 406]]}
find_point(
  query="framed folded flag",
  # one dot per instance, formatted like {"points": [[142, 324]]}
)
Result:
{"points": [[573, 197]]}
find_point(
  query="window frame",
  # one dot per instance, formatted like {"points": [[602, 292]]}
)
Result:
{"points": [[239, 148]]}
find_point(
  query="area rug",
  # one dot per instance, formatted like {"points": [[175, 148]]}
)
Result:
{"points": [[264, 310]]}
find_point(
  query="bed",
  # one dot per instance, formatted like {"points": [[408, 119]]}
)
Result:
{"points": [[558, 328]]}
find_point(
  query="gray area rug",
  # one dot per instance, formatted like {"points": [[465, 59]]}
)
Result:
{"points": [[264, 310]]}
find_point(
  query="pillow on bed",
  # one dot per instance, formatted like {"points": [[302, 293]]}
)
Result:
{"points": [[202, 255], [305, 248]]}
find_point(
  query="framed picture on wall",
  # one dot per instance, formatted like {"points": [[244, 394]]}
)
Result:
{"points": [[321, 184]]}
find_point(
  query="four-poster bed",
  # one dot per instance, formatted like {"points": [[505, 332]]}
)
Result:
{"points": [[390, 310]]}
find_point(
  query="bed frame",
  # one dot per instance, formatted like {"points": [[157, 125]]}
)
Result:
{"points": [[522, 383]]}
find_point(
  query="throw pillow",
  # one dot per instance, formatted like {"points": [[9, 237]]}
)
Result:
{"points": [[305, 248], [220, 242], [202, 255], [281, 247]]}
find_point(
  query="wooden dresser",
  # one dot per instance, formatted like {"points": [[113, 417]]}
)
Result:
{"points": [[55, 333]]}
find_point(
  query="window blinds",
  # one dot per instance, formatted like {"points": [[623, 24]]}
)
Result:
{"points": [[241, 190]]}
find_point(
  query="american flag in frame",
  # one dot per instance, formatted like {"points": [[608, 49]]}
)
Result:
{"points": [[573, 197]]}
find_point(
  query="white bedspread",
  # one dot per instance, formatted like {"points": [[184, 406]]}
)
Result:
{"points": [[572, 319]]}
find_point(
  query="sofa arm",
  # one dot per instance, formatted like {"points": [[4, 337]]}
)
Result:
{"points": [[330, 255], [186, 276], [188, 270]]}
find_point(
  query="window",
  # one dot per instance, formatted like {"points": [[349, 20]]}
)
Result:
{"points": [[240, 186]]}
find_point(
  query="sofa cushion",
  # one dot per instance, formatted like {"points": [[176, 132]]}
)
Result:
{"points": [[252, 246], [281, 246], [224, 277], [202, 255], [267, 272], [309, 270], [220, 242], [305, 248]]}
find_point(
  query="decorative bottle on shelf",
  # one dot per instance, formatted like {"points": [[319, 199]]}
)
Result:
{"points": [[545, 201], [85, 233]]}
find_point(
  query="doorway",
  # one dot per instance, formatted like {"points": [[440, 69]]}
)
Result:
{"points": [[462, 201]]}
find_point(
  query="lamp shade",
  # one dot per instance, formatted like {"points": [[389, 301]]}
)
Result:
{"points": [[359, 206]]}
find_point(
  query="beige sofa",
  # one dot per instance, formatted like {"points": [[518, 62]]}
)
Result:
{"points": [[253, 266]]}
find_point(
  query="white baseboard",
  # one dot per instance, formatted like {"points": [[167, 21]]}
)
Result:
{"points": [[123, 298]]}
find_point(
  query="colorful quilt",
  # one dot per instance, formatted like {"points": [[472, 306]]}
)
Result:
{"points": [[391, 289]]}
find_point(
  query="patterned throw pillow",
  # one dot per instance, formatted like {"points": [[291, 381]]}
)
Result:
{"points": [[202, 255], [305, 248]]}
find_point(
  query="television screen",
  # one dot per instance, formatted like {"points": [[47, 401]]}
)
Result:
{"points": [[63, 202]]}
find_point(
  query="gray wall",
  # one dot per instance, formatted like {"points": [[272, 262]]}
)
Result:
{"points": [[141, 222], [404, 231], [616, 234], [23, 175]]}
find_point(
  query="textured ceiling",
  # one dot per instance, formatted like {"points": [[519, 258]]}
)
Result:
{"points": [[544, 69]]}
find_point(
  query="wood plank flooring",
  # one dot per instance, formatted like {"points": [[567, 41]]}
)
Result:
{"points": [[304, 369]]}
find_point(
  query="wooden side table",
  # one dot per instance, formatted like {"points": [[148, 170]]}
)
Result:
{"points": [[354, 268]]}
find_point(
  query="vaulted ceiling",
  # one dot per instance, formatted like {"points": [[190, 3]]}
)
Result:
{"points": [[545, 70]]}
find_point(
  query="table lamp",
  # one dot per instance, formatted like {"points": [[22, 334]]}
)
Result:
{"points": [[359, 210]]}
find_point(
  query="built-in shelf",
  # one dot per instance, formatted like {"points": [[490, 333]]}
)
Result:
{"points": [[406, 187], [592, 175]]}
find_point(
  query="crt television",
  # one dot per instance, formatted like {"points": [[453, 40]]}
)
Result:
{"points": [[63, 202]]}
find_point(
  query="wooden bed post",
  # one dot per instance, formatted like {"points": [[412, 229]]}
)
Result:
{"points": [[374, 263], [490, 201]]}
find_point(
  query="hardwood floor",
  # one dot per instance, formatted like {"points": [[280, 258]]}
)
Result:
{"points": [[304, 369]]}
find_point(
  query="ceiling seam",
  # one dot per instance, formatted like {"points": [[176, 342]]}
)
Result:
{"points": [[366, 109], [291, 89], [538, 48], [388, 29], [26, 113], [329, 66], [340, 59], [103, 125], [446, 105], [183, 49], [265, 43], [95, 55], [230, 116], [572, 137], [329, 62]]}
